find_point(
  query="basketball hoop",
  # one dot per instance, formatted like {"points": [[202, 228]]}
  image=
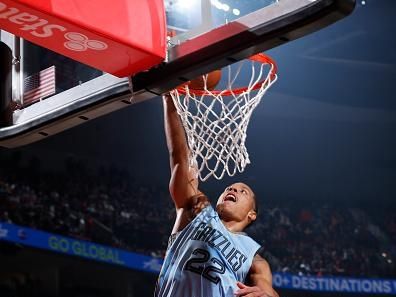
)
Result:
{"points": [[216, 121]]}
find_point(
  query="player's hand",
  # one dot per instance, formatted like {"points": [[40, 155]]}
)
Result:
{"points": [[247, 291]]}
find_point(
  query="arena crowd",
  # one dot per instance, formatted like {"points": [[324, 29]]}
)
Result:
{"points": [[108, 206]]}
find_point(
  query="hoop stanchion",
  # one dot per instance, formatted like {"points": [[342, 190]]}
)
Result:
{"points": [[216, 121]]}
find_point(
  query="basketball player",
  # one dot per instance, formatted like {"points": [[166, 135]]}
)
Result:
{"points": [[208, 255]]}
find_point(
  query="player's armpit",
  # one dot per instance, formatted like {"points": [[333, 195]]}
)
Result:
{"points": [[260, 275]]}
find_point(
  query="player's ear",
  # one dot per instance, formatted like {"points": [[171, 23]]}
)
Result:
{"points": [[252, 216]]}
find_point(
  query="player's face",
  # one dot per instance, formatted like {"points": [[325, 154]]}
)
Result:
{"points": [[236, 202]]}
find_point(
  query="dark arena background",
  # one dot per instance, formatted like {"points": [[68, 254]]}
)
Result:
{"points": [[87, 212]]}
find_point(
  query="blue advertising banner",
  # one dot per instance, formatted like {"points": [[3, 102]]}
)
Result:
{"points": [[74, 247], [98, 252], [335, 284]]}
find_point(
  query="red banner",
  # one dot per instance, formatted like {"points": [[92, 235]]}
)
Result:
{"points": [[120, 37]]}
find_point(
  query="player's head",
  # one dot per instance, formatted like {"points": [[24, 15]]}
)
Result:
{"points": [[238, 203]]}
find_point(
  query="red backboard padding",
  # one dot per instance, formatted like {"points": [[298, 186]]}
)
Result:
{"points": [[121, 37]]}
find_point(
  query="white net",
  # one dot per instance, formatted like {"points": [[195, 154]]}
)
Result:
{"points": [[216, 121]]}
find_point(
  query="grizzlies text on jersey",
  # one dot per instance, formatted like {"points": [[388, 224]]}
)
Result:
{"points": [[205, 259]]}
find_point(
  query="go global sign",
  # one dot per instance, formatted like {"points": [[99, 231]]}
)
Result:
{"points": [[79, 248], [85, 249], [99, 35]]}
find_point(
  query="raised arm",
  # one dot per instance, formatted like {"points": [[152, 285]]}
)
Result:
{"points": [[183, 185]]}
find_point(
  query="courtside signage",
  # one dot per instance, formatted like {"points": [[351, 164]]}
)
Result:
{"points": [[335, 284], [74, 247]]}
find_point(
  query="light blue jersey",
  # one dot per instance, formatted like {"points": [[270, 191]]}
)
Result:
{"points": [[205, 259]]}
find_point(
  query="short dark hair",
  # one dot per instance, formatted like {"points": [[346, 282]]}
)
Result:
{"points": [[256, 206]]}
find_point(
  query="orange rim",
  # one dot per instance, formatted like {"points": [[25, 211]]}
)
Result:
{"points": [[260, 58]]}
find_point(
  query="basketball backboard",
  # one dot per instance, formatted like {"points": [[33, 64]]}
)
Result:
{"points": [[188, 19], [203, 35]]}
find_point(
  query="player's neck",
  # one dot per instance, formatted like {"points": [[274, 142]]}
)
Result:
{"points": [[233, 226]]}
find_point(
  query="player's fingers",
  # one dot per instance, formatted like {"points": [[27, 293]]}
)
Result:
{"points": [[247, 290], [242, 292], [245, 295], [255, 294], [241, 285]]}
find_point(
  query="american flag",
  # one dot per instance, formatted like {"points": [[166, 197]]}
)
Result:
{"points": [[39, 86]]}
